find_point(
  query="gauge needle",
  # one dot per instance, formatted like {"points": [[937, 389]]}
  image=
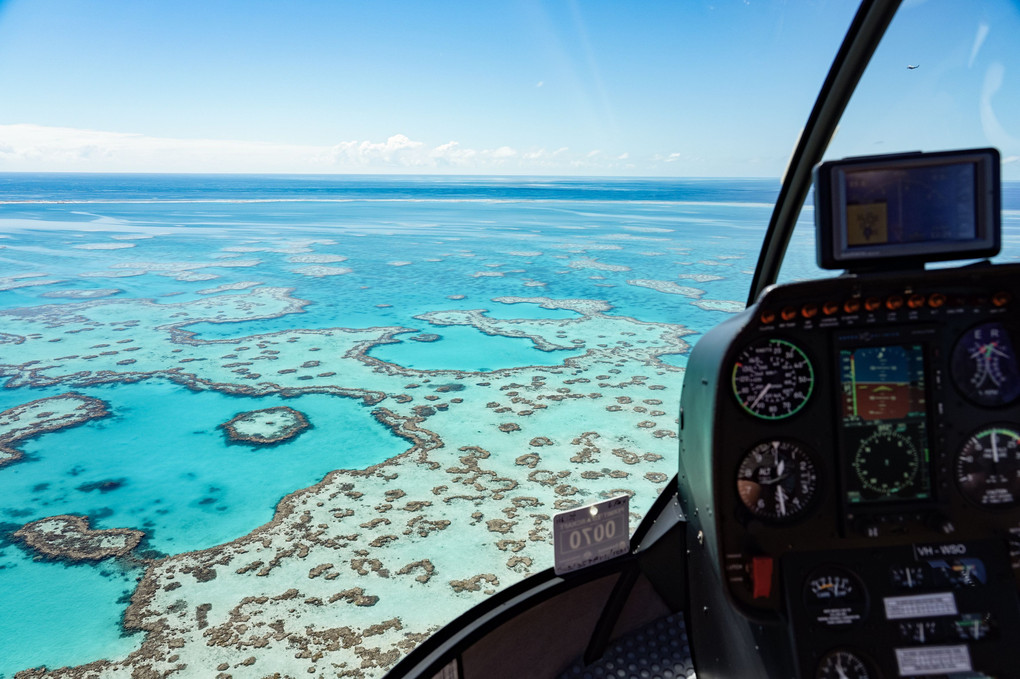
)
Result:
{"points": [[781, 498], [761, 395], [840, 670], [995, 449]]}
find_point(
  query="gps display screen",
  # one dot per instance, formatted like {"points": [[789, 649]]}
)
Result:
{"points": [[917, 205], [901, 210]]}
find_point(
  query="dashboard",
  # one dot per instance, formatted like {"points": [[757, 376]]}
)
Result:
{"points": [[850, 465]]}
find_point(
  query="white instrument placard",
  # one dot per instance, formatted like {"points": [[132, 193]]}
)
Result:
{"points": [[591, 534], [927, 660], [919, 606]]}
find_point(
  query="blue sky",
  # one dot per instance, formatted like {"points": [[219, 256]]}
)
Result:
{"points": [[681, 88]]}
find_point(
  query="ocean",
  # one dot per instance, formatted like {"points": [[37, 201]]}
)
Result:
{"points": [[471, 353]]}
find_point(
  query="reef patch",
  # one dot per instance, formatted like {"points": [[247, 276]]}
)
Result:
{"points": [[70, 537], [266, 427], [44, 415]]}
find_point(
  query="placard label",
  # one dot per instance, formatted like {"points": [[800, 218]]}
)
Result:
{"points": [[926, 660], [591, 534], [919, 606]]}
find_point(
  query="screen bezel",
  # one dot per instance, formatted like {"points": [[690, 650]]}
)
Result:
{"points": [[833, 250]]}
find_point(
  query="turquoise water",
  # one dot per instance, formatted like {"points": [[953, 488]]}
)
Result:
{"points": [[183, 485], [466, 348], [387, 250], [60, 615], [176, 476]]}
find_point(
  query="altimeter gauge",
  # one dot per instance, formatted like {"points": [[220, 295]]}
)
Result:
{"points": [[988, 468], [777, 480], [984, 365], [772, 378]]}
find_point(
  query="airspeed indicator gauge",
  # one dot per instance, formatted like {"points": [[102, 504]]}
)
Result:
{"points": [[772, 378], [777, 480]]}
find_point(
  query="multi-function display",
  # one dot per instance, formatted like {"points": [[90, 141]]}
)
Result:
{"points": [[883, 421], [903, 210]]}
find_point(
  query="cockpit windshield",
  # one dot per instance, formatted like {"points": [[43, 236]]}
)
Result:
{"points": [[313, 314], [939, 80]]}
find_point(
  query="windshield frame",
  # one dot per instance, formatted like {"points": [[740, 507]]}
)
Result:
{"points": [[862, 38]]}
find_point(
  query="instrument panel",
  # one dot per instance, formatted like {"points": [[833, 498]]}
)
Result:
{"points": [[865, 467]]}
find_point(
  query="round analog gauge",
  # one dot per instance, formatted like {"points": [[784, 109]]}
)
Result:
{"points": [[984, 365], [777, 480], [909, 577], [836, 597], [886, 462], [772, 378], [840, 664], [988, 467]]}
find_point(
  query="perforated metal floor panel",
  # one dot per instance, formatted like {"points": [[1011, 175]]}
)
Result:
{"points": [[659, 650]]}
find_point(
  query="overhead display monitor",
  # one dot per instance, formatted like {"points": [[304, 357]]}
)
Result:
{"points": [[899, 211]]}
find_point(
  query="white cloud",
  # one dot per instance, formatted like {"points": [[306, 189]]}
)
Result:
{"points": [[38, 148], [398, 150], [502, 152]]}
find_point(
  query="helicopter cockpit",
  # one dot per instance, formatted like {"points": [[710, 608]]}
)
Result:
{"points": [[850, 462]]}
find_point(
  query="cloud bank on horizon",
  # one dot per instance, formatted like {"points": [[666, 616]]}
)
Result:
{"points": [[40, 148]]}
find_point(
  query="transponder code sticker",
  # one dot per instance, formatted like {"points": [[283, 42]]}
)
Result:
{"points": [[591, 534]]}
